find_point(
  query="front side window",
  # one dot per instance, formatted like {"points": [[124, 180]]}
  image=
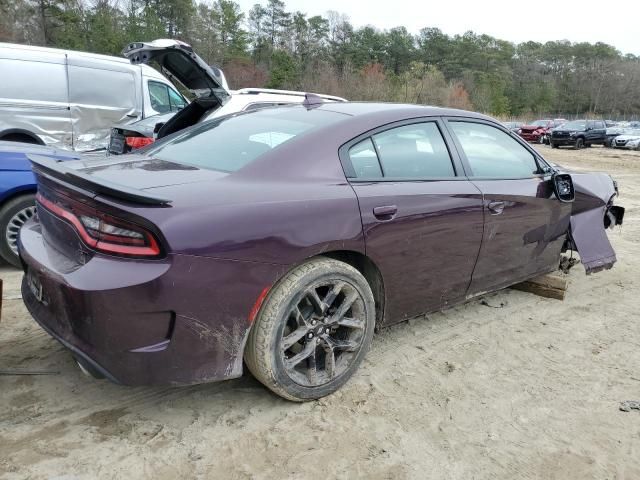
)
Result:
{"points": [[164, 99], [493, 153], [411, 151], [175, 100]]}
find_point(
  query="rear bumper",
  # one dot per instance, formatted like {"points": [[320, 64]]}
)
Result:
{"points": [[177, 321]]}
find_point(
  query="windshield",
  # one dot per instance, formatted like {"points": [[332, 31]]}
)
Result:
{"points": [[229, 143], [575, 125], [540, 123]]}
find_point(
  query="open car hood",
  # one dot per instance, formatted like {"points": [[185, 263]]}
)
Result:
{"points": [[178, 61]]}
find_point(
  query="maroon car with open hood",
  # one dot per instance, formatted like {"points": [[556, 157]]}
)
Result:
{"points": [[540, 130], [283, 237]]}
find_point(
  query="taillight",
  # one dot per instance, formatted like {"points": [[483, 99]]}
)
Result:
{"points": [[138, 142], [105, 233]]}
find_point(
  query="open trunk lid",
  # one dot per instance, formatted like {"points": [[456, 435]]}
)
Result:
{"points": [[178, 61]]}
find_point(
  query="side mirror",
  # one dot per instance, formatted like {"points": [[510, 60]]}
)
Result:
{"points": [[563, 187]]}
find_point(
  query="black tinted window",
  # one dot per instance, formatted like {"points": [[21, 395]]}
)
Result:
{"points": [[492, 152], [413, 151], [230, 143]]}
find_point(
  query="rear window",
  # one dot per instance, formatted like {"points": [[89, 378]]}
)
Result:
{"points": [[229, 143]]}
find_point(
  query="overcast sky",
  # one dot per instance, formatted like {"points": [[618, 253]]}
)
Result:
{"points": [[616, 23]]}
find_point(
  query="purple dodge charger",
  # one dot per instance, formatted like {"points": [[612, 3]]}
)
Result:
{"points": [[284, 237]]}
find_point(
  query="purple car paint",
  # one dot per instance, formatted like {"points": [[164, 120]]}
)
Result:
{"points": [[226, 237]]}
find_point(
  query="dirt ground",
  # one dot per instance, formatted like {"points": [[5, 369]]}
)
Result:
{"points": [[517, 387]]}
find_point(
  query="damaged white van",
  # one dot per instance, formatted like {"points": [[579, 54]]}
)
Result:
{"points": [[70, 99]]}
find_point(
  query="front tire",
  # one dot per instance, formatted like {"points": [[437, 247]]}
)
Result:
{"points": [[312, 331], [13, 215], [579, 143]]}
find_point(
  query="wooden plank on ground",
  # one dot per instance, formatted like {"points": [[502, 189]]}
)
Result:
{"points": [[550, 285]]}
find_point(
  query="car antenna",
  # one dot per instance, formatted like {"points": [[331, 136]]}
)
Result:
{"points": [[311, 100]]}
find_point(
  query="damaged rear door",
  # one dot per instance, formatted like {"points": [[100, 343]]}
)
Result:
{"points": [[422, 219]]}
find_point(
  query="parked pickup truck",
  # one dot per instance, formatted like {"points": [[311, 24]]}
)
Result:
{"points": [[579, 134]]}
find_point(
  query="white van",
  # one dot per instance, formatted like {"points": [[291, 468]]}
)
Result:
{"points": [[70, 100]]}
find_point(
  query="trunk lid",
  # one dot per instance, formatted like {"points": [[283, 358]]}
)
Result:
{"points": [[178, 61], [131, 178]]}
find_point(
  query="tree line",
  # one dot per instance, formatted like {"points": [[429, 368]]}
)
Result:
{"points": [[273, 47]]}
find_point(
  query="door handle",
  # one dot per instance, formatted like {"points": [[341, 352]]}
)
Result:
{"points": [[386, 212], [495, 208]]}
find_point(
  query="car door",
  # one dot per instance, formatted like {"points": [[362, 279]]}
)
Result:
{"points": [[422, 219], [525, 225], [600, 131]]}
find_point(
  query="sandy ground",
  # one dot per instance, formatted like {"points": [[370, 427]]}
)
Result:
{"points": [[519, 387]]}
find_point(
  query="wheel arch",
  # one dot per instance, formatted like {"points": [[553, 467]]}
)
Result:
{"points": [[369, 271], [19, 132], [17, 192]]}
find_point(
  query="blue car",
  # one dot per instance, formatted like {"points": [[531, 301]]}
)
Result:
{"points": [[17, 191]]}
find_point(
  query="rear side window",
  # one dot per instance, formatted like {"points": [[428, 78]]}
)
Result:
{"points": [[229, 143], [493, 153], [411, 151], [364, 160]]}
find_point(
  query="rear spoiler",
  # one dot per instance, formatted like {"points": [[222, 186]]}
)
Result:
{"points": [[56, 170]]}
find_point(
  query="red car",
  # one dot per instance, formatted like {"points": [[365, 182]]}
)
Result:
{"points": [[540, 130]]}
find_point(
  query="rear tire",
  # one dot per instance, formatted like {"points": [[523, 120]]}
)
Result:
{"points": [[13, 215], [306, 345]]}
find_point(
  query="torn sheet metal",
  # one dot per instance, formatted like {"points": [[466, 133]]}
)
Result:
{"points": [[594, 197]]}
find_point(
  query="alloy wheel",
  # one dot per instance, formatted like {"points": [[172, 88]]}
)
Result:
{"points": [[325, 330], [15, 223]]}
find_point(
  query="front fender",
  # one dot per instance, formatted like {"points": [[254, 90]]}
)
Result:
{"points": [[592, 212]]}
